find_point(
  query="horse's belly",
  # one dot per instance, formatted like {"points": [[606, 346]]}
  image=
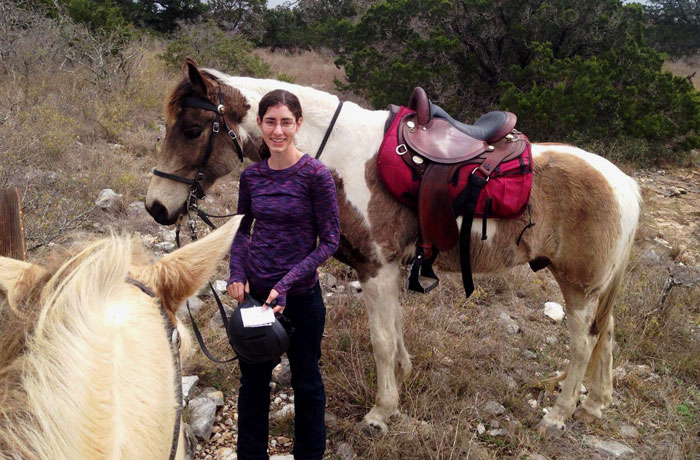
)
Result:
{"points": [[497, 252]]}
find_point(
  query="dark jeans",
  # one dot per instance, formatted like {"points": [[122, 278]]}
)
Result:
{"points": [[308, 315]]}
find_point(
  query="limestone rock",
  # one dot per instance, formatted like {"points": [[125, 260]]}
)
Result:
{"points": [[554, 311], [493, 408], [629, 431], [613, 448], [509, 323], [345, 452], [286, 411], [189, 383], [282, 374], [196, 304], [107, 199], [202, 417], [214, 395], [220, 286], [137, 210], [225, 453]]}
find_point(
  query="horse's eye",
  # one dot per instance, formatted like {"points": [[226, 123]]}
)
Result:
{"points": [[193, 133]]}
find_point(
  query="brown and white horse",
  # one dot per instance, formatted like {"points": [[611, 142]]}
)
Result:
{"points": [[88, 365], [585, 209]]}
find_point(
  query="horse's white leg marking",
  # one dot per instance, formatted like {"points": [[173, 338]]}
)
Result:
{"points": [[403, 359], [599, 375], [580, 312], [381, 297]]}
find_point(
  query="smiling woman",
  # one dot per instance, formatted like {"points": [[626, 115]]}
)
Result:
{"points": [[291, 197]]}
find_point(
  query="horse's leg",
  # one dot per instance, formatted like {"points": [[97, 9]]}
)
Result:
{"points": [[599, 376], [381, 297], [403, 359], [580, 312]]}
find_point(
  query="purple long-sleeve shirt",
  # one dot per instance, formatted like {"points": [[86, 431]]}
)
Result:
{"points": [[291, 208]]}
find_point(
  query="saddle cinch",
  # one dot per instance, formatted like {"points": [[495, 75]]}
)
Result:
{"points": [[443, 169]]}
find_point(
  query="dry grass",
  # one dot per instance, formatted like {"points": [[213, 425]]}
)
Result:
{"points": [[688, 67], [57, 136]]}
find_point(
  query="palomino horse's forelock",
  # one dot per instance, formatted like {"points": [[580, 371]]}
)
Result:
{"points": [[584, 210]]}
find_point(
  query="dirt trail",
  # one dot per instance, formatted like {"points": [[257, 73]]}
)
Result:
{"points": [[671, 212]]}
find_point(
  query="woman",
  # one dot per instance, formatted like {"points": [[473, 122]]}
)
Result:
{"points": [[291, 197]]}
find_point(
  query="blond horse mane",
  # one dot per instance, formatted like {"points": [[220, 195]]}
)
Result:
{"points": [[75, 339]]}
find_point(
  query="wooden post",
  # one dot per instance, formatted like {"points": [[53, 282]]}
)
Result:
{"points": [[12, 242]]}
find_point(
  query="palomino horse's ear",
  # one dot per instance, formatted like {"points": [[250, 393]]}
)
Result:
{"points": [[182, 273], [15, 277], [192, 73]]}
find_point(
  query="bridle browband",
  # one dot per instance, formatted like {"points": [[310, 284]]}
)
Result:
{"points": [[195, 184], [173, 336]]}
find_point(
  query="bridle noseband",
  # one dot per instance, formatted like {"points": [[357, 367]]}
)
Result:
{"points": [[196, 188]]}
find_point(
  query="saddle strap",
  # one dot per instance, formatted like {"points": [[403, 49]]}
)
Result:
{"points": [[469, 197], [435, 209]]}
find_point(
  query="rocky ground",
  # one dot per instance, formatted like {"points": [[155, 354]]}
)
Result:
{"points": [[670, 232]]}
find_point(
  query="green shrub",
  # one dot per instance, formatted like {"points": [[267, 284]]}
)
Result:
{"points": [[615, 95], [211, 47]]}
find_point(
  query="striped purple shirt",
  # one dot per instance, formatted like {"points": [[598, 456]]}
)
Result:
{"points": [[291, 209]]}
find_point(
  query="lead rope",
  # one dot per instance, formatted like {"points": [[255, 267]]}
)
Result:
{"points": [[222, 312]]}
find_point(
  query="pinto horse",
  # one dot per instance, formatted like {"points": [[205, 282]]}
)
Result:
{"points": [[585, 209], [89, 359]]}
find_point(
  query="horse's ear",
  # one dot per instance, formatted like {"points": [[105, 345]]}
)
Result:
{"points": [[182, 273], [16, 277], [192, 73]]}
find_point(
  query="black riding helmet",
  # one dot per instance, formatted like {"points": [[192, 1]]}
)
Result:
{"points": [[256, 344]]}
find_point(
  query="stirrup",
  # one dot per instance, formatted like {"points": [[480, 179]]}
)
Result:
{"points": [[427, 280]]}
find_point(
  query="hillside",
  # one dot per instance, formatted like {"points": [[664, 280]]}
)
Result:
{"points": [[66, 133]]}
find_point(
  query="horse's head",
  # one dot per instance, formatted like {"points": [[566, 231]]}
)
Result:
{"points": [[94, 333], [204, 139]]}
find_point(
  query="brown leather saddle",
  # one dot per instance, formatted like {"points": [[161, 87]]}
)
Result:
{"points": [[436, 146]]}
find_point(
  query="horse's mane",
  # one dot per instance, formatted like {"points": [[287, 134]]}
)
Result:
{"points": [[184, 89], [52, 311]]}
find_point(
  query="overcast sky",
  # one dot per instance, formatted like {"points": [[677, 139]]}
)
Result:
{"points": [[274, 3]]}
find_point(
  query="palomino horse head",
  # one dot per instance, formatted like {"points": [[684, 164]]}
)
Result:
{"points": [[88, 365], [205, 136]]}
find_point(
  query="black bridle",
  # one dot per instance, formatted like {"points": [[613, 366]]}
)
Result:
{"points": [[195, 184]]}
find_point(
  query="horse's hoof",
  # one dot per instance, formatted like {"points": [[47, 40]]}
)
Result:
{"points": [[374, 429], [584, 415]]}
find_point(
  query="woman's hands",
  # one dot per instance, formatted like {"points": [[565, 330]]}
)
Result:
{"points": [[272, 296], [236, 290]]}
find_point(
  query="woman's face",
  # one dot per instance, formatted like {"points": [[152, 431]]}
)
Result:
{"points": [[278, 128]]}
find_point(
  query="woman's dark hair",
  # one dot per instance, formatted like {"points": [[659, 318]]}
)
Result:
{"points": [[273, 99]]}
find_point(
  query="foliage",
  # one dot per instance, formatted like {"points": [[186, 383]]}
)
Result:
{"points": [[619, 93], [569, 70], [674, 26], [104, 15], [162, 15], [207, 44], [310, 24], [245, 17]]}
